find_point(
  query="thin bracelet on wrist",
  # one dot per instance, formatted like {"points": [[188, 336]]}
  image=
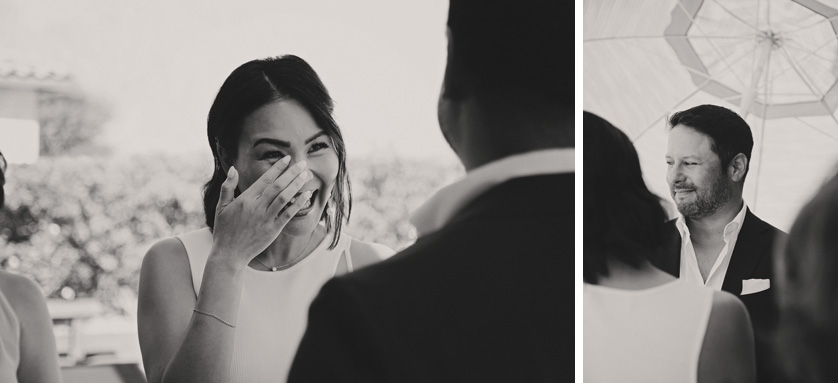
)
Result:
{"points": [[214, 316]]}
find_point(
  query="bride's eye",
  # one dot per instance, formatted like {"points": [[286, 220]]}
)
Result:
{"points": [[318, 147], [272, 155]]}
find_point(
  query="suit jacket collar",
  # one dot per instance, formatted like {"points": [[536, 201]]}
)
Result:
{"points": [[446, 202], [745, 258], [747, 254], [551, 195]]}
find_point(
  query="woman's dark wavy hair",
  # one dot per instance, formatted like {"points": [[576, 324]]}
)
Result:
{"points": [[622, 218], [805, 266], [260, 82]]}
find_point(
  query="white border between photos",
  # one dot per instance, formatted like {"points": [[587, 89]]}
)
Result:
{"points": [[578, 192]]}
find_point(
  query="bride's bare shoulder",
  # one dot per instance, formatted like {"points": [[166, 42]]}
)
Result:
{"points": [[165, 257], [367, 253]]}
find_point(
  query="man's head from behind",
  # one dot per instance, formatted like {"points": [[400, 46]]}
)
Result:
{"points": [[708, 156], [510, 66]]}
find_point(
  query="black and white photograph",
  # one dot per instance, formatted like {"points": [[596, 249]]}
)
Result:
{"points": [[288, 191], [710, 133]]}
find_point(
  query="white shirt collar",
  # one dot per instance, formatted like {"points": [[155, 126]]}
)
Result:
{"points": [[732, 227], [446, 202], [690, 269]]}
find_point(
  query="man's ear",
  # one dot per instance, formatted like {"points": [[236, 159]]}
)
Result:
{"points": [[738, 167]]}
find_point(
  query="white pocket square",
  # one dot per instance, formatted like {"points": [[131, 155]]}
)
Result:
{"points": [[750, 286]]}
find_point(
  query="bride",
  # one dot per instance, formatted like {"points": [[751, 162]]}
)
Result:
{"points": [[229, 303]]}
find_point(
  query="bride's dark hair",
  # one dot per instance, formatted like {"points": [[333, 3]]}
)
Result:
{"points": [[260, 82], [622, 218]]}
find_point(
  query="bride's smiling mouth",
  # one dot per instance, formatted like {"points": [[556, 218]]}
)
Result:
{"points": [[309, 204]]}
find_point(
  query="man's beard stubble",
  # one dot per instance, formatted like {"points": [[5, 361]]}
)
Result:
{"points": [[707, 201]]}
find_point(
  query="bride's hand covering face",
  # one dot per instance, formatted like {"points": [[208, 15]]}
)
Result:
{"points": [[287, 167]]}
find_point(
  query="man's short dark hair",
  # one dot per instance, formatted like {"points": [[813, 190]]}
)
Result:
{"points": [[729, 133], [512, 48]]}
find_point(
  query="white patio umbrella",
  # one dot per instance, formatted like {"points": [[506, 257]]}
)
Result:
{"points": [[774, 62]]}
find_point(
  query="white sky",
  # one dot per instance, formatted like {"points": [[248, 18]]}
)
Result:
{"points": [[160, 63]]}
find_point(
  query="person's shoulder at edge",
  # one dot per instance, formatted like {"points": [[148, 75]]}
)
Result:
{"points": [[367, 253], [728, 348], [22, 293], [38, 355]]}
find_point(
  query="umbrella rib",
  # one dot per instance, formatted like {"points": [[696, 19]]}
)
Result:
{"points": [[830, 114], [759, 169], [820, 21], [762, 137], [809, 54], [732, 14], [768, 17], [687, 67], [819, 129], [664, 115], [716, 48], [715, 77], [655, 122], [611, 38], [802, 75], [812, 52], [828, 110]]}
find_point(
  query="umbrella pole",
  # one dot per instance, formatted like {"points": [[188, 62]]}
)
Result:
{"points": [[762, 136], [763, 55]]}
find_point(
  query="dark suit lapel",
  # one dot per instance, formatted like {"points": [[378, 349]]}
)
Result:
{"points": [[746, 253], [670, 258]]}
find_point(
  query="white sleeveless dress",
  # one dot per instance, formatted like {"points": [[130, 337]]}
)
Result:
{"points": [[273, 311], [651, 335]]}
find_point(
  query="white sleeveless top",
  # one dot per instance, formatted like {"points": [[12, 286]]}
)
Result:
{"points": [[273, 311], [651, 335]]}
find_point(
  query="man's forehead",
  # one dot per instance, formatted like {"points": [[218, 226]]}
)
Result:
{"points": [[686, 141]]}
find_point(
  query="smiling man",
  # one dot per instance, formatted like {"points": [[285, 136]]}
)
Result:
{"points": [[717, 241]]}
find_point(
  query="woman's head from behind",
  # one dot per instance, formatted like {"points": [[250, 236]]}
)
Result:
{"points": [[807, 290], [271, 108], [622, 218]]}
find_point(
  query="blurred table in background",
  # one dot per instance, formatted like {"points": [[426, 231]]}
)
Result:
{"points": [[112, 373], [72, 314]]}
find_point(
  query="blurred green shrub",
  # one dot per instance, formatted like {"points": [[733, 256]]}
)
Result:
{"points": [[80, 226], [385, 191]]}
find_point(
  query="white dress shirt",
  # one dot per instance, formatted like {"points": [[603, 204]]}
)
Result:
{"points": [[689, 262], [446, 202]]}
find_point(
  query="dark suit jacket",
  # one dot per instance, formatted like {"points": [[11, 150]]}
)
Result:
{"points": [[752, 258], [486, 298]]}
